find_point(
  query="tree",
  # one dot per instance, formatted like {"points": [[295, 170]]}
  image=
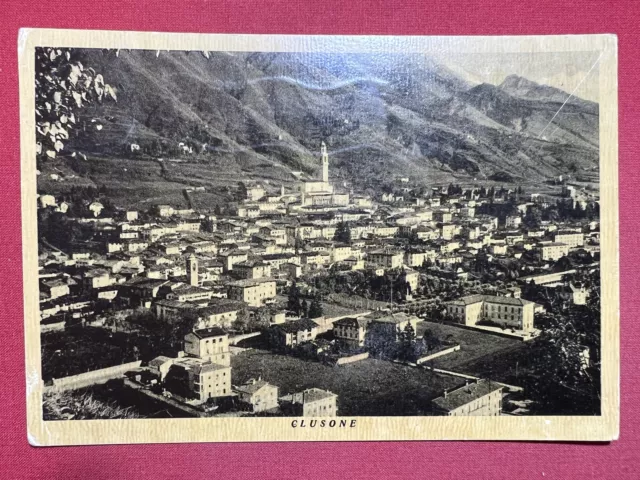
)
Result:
{"points": [[260, 320], [431, 340], [592, 211], [293, 302], [342, 233], [564, 373], [533, 218], [407, 343], [315, 309], [241, 323], [63, 87], [241, 193], [381, 341]]}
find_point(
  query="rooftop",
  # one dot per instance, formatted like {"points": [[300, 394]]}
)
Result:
{"points": [[250, 282], [252, 386], [209, 332], [158, 361], [221, 307], [360, 322], [466, 394], [395, 318], [314, 394], [471, 299], [188, 289], [385, 252], [296, 325]]}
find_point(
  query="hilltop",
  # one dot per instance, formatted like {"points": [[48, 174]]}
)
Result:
{"points": [[215, 118]]}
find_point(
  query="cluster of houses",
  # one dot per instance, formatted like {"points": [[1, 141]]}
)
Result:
{"points": [[201, 373], [175, 261]]}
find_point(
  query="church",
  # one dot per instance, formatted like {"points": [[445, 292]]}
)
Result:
{"points": [[320, 192]]}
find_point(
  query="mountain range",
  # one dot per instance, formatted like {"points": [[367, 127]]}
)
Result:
{"points": [[265, 114]]}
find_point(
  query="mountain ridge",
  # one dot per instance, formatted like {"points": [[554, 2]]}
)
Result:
{"points": [[268, 113]]}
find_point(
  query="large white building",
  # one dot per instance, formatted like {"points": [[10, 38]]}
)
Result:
{"points": [[512, 312], [254, 292], [321, 192]]}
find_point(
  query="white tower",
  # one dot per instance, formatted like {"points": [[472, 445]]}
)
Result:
{"points": [[192, 270], [325, 163]]}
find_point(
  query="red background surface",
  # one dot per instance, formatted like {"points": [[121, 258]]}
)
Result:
{"points": [[475, 460]]}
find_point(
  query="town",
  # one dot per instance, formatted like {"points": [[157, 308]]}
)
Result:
{"points": [[316, 298]]}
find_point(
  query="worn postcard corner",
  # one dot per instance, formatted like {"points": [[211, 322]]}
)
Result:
{"points": [[291, 238]]}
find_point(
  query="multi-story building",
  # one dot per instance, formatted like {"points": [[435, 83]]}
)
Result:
{"points": [[351, 330], [481, 398], [417, 259], [189, 293], [97, 278], [552, 250], [253, 292], [222, 313], [232, 257], [188, 225], [412, 277], [386, 259], [340, 252], [315, 258], [277, 260], [257, 395], [391, 323], [498, 249], [208, 344], [255, 193], [252, 269], [442, 216], [513, 221], [312, 402], [291, 334], [447, 230], [54, 288], [385, 231], [513, 312], [198, 379], [572, 239]]}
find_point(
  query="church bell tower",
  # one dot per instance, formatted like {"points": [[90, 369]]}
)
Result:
{"points": [[192, 270], [325, 163]]}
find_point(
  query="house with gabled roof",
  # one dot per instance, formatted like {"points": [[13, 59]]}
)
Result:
{"points": [[257, 395], [291, 334], [351, 330], [480, 398], [312, 402], [198, 379]]}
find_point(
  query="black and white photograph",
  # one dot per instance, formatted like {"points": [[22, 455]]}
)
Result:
{"points": [[317, 237]]}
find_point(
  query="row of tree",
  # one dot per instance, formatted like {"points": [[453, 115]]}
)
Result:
{"points": [[299, 306]]}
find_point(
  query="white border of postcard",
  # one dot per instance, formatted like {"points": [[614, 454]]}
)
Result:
{"points": [[571, 428]]}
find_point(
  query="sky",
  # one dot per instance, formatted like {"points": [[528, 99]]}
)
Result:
{"points": [[575, 72]]}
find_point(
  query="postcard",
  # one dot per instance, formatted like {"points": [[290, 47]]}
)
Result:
{"points": [[251, 238]]}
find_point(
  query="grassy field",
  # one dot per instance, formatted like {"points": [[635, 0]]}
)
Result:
{"points": [[368, 387], [143, 182], [480, 353], [82, 349]]}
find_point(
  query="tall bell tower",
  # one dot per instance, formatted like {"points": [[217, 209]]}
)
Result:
{"points": [[192, 270], [325, 163]]}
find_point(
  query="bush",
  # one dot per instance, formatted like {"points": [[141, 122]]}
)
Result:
{"points": [[84, 406]]}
